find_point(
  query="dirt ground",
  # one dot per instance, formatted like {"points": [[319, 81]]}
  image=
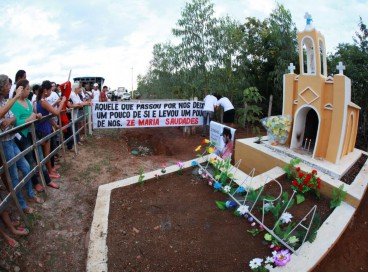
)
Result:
{"points": [[178, 214], [59, 235]]}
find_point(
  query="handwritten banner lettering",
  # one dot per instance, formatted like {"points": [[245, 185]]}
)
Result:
{"points": [[147, 114]]}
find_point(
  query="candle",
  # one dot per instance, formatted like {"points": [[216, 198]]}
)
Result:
{"points": [[305, 143]]}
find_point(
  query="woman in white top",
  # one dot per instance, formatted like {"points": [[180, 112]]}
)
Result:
{"points": [[229, 111]]}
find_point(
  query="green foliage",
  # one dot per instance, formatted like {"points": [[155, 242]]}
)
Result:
{"points": [[312, 234], [338, 196], [281, 204], [141, 176], [251, 112], [222, 171], [299, 198], [290, 168], [221, 205], [254, 231]]}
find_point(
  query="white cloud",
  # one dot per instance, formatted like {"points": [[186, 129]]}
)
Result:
{"points": [[107, 38]]}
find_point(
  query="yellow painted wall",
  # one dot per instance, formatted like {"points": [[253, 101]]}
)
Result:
{"points": [[253, 158], [337, 118]]}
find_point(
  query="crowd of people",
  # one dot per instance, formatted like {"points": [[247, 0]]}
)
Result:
{"points": [[20, 104]]}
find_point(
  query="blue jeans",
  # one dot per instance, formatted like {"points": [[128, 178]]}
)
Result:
{"points": [[209, 115], [10, 151], [23, 144]]}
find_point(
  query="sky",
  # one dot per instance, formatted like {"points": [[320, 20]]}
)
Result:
{"points": [[114, 38]]}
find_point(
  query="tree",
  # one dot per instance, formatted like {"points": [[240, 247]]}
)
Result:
{"points": [[197, 29], [355, 58]]}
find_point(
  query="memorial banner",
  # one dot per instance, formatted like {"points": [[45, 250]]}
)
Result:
{"points": [[147, 114]]}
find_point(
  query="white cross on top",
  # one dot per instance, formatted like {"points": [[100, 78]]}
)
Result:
{"points": [[341, 68], [291, 68]]}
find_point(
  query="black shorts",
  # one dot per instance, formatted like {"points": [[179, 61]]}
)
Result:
{"points": [[229, 116]]}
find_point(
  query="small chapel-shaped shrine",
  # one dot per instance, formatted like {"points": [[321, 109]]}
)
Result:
{"points": [[324, 118]]}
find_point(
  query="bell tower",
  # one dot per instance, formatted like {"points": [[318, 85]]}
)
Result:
{"points": [[325, 121]]}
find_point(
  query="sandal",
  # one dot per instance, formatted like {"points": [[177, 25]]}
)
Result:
{"points": [[56, 167], [22, 231], [13, 243], [53, 185], [37, 200], [39, 188], [28, 210], [54, 175]]}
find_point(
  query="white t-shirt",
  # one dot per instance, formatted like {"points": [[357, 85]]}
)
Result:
{"points": [[12, 90], [76, 100], [96, 95], [33, 101], [209, 103], [52, 99], [225, 103]]}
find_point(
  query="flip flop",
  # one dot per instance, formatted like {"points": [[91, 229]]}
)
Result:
{"points": [[53, 185], [28, 210], [37, 200], [13, 243], [24, 230]]}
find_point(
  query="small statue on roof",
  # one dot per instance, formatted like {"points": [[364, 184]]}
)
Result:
{"points": [[309, 19]]}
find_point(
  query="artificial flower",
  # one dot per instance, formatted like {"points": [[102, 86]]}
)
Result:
{"points": [[240, 190], [282, 257], [268, 206], [180, 164], [210, 150], [205, 141], [255, 263], [297, 169], [198, 148], [253, 224], [210, 183], [269, 260], [217, 185], [200, 171], [243, 209], [286, 217], [293, 240], [268, 267], [230, 204], [314, 172], [227, 189], [194, 163], [204, 175], [268, 237], [212, 161]]}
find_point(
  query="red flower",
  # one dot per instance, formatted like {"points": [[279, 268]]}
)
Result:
{"points": [[300, 175], [297, 169], [308, 177], [301, 187], [295, 183], [314, 172], [318, 184], [310, 185]]}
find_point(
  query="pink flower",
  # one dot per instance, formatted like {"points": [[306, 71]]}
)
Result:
{"points": [[282, 257]]}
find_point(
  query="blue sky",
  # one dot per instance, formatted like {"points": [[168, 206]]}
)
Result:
{"points": [[109, 38]]}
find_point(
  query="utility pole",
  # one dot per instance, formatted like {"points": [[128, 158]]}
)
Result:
{"points": [[132, 85]]}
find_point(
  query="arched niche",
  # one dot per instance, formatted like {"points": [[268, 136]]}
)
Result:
{"points": [[308, 56]]}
